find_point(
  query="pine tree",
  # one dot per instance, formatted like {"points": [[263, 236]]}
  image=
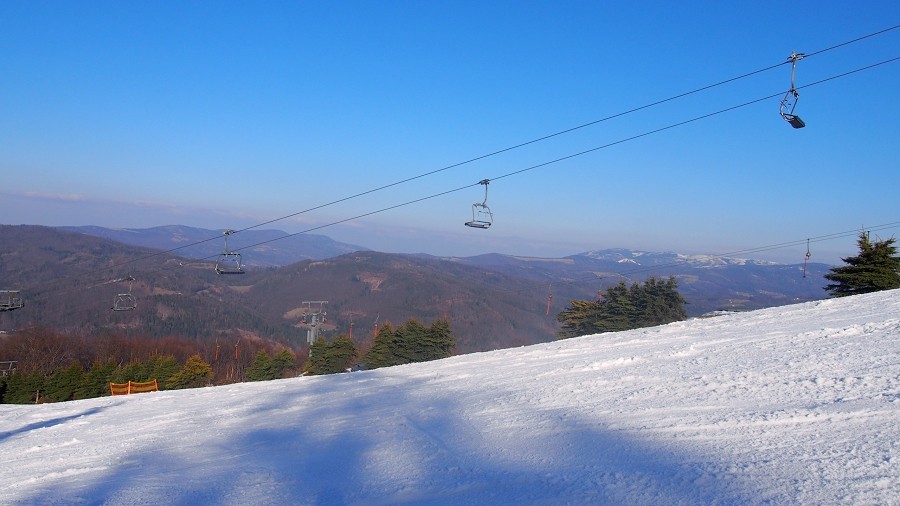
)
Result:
{"points": [[261, 368], [283, 362], [618, 308], [382, 352], [441, 342], [330, 358], [195, 373], [62, 385], [657, 302], [580, 318], [875, 268], [161, 368], [23, 387], [95, 382], [135, 370]]}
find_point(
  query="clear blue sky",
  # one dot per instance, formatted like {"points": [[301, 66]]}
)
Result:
{"points": [[230, 114]]}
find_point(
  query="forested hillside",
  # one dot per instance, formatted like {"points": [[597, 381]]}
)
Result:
{"points": [[69, 281]]}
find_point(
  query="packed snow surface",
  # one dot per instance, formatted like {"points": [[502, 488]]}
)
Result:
{"points": [[790, 405]]}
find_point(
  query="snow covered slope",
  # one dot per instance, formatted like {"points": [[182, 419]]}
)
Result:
{"points": [[790, 405]]}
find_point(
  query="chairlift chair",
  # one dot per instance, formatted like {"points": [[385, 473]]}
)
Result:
{"points": [[229, 262], [482, 217], [125, 301], [9, 300], [789, 102]]}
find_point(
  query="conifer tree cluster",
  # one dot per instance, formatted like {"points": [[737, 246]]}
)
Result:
{"points": [[74, 382], [875, 268], [331, 357], [53, 367], [410, 342], [268, 367], [655, 302]]}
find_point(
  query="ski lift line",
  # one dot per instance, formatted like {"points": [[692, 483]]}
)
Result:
{"points": [[533, 141], [842, 44], [533, 167], [568, 157], [698, 118], [510, 148], [523, 144], [571, 129], [806, 258], [845, 74]]}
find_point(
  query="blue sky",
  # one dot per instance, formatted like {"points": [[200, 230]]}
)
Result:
{"points": [[231, 114]]}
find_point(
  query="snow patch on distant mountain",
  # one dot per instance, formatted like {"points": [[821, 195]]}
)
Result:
{"points": [[646, 258]]}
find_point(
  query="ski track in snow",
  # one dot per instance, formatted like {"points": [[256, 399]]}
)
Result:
{"points": [[791, 405]]}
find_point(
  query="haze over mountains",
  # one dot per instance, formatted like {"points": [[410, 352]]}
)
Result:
{"points": [[262, 248], [69, 277]]}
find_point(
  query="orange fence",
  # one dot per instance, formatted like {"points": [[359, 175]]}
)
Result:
{"points": [[133, 387]]}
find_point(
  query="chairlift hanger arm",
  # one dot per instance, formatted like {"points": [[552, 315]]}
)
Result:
{"points": [[229, 262], [482, 216], [789, 102]]}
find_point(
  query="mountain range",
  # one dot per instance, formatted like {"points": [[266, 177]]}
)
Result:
{"points": [[70, 277], [259, 248]]}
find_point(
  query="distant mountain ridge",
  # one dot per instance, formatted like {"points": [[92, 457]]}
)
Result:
{"points": [[645, 258], [260, 248], [69, 280], [710, 282]]}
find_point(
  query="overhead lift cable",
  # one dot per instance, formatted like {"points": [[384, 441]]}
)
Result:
{"points": [[535, 140], [543, 164], [516, 172]]}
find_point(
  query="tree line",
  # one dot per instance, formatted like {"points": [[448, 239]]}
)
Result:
{"points": [[53, 367], [405, 344]]}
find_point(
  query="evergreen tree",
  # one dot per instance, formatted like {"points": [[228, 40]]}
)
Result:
{"points": [[283, 363], [409, 342], [135, 370], [195, 373], [657, 302], [330, 358], [161, 368], [24, 388], [580, 318], [95, 381], [618, 307], [440, 340], [63, 383], [261, 368], [382, 352], [875, 268]]}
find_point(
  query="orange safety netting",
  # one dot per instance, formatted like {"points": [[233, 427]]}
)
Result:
{"points": [[133, 387]]}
